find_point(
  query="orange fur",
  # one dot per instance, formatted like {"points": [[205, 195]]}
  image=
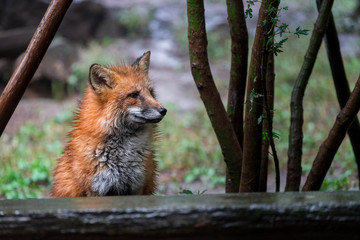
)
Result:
{"points": [[97, 118]]}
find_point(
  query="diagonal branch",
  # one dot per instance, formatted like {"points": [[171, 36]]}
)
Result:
{"points": [[330, 146], [200, 70], [36, 50], [296, 135], [341, 83]]}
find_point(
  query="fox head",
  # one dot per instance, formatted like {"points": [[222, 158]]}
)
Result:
{"points": [[125, 94]]}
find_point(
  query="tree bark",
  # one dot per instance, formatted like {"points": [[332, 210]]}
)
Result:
{"points": [[200, 70], [238, 71], [341, 83], [36, 50], [330, 146], [250, 172], [270, 90], [294, 169], [319, 215]]}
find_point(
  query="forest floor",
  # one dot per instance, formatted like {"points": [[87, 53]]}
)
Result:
{"points": [[170, 71]]}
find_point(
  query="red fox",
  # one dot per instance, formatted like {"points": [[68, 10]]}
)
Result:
{"points": [[110, 150]]}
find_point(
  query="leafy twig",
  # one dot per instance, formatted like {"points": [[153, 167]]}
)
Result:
{"points": [[330, 146]]}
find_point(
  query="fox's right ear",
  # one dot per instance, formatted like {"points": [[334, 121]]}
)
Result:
{"points": [[100, 78]]}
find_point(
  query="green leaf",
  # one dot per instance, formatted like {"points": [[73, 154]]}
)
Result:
{"points": [[283, 41], [248, 13], [275, 135], [265, 136], [185, 191], [202, 192], [300, 31], [270, 40], [260, 119]]}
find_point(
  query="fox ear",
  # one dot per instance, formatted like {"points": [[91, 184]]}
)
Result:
{"points": [[99, 78], [143, 62]]}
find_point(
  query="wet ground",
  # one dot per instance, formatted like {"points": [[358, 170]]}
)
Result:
{"points": [[170, 68]]}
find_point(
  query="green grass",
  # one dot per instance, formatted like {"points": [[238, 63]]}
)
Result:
{"points": [[188, 144], [28, 157]]}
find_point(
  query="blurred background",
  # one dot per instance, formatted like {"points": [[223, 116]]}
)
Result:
{"points": [[116, 32]]}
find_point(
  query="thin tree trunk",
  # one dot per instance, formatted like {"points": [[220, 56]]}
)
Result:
{"points": [[200, 70], [250, 172], [270, 80], [296, 135], [341, 83], [330, 146], [238, 71]]}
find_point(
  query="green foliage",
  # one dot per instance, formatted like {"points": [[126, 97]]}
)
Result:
{"points": [[207, 175], [299, 31], [277, 46], [189, 192], [248, 10], [279, 28], [337, 182], [187, 142], [28, 158], [218, 47], [275, 135]]}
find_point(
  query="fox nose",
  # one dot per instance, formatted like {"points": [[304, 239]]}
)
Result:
{"points": [[162, 111]]}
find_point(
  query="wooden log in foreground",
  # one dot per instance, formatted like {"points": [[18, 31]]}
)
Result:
{"points": [[232, 216]]}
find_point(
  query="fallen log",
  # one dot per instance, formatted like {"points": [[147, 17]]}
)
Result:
{"points": [[242, 216]]}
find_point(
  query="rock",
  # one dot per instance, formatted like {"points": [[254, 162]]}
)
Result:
{"points": [[14, 41], [80, 23], [6, 69], [20, 13], [57, 61], [51, 77], [82, 20]]}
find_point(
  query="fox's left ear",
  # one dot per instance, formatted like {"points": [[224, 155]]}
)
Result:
{"points": [[143, 62]]}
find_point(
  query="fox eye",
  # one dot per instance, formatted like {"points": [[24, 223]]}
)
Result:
{"points": [[134, 95]]}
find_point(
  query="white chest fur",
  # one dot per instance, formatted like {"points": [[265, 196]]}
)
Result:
{"points": [[121, 163]]}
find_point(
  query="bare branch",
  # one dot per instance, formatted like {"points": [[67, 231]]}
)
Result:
{"points": [[200, 69], [238, 71], [330, 146], [296, 135]]}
